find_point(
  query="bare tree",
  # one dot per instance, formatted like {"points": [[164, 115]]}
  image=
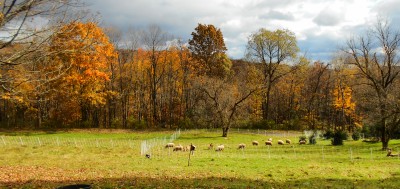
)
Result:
{"points": [[155, 41], [375, 54]]}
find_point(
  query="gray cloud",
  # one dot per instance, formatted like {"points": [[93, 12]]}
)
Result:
{"points": [[238, 19], [328, 17]]}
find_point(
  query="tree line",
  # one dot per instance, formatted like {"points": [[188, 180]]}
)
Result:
{"points": [[71, 73]]}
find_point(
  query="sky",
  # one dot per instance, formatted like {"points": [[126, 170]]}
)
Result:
{"points": [[321, 26]]}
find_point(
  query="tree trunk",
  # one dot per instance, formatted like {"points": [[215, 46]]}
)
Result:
{"points": [[267, 103], [384, 135], [225, 131]]}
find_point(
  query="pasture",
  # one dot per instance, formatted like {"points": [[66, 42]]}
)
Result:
{"points": [[116, 159]]}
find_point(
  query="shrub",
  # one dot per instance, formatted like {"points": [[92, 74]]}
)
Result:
{"points": [[338, 138], [312, 139], [356, 135], [328, 134]]}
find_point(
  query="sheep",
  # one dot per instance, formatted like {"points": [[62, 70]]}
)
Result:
{"points": [[178, 148], [302, 142], [170, 145], [280, 142], [220, 148], [211, 146], [288, 141], [389, 154], [192, 147], [186, 148], [241, 146], [268, 143], [270, 139], [255, 143]]}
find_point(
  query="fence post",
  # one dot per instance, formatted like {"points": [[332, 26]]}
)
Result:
{"points": [[40, 143], [351, 154], [76, 145], [20, 139]]}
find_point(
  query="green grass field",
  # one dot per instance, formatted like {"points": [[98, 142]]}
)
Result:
{"points": [[105, 159]]}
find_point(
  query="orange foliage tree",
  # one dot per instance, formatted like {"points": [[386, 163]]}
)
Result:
{"points": [[85, 52]]}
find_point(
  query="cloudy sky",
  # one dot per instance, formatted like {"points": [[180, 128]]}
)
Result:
{"points": [[321, 26]]}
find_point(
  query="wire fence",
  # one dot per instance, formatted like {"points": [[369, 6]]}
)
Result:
{"points": [[156, 147], [61, 141]]}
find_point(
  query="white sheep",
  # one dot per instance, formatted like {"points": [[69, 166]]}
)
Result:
{"points": [[255, 143], [186, 148], [170, 145], [389, 154], [270, 139], [268, 143], [241, 146], [288, 141], [220, 148], [280, 142], [302, 142]]}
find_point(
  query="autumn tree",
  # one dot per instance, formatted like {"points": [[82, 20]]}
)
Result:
{"points": [[271, 49], [375, 55], [26, 27], [317, 95], [154, 40], [209, 51], [85, 57], [225, 98]]}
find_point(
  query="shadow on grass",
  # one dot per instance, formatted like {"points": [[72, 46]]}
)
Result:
{"points": [[210, 182]]}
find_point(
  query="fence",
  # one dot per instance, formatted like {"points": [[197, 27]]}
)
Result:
{"points": [[156, 147]]}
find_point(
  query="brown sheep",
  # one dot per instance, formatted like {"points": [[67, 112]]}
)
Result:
{"points": [[211, 146], [178, 148], [241, 146], [220, 148], [255, 143], [280, 142], [288, 141], [170, 145], [268, 143]]}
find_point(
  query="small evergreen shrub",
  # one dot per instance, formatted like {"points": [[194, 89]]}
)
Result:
{"points": [[338, 138], [328, 134], [356, 135], [312, 139]]}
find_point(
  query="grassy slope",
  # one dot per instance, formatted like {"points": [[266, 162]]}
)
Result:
{"points": [[114, 164]]}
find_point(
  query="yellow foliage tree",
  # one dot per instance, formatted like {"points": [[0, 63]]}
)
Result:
{"points": [[345, 106]]}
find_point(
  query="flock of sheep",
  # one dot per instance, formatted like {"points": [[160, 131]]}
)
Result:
{"points": [[222, 147]]}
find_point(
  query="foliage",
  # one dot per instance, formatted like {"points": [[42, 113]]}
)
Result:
{"points": [[271, 49], [356, 135], [312, 139], [338, 137], [209, 51], [84, 51], [328, 134]]}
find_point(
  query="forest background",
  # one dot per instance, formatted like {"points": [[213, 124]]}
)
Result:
{"points": [[72, 73]]}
